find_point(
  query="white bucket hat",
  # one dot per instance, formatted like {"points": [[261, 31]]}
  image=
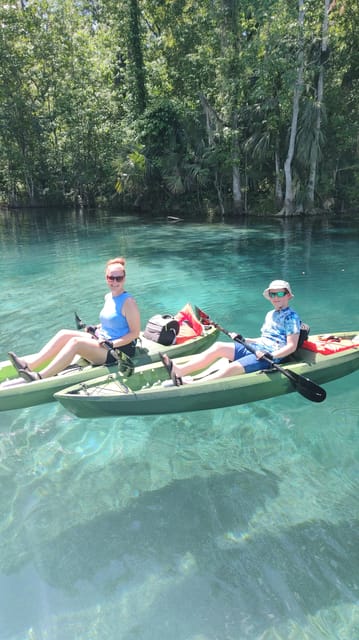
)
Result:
{"points": [[277, 284]]}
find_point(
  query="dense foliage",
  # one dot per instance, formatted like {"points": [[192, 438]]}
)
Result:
{"points": [[220, 105]]}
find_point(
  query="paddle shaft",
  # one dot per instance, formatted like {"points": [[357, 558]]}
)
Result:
{"points": [[303, 385]]}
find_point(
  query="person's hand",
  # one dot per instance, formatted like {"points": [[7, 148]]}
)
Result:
{"points": [[264, 354], [90, 328], [236, 336], [108, 344]]}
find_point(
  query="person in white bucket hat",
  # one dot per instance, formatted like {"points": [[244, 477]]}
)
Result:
{"points": [[278, 285], [279, 338]]}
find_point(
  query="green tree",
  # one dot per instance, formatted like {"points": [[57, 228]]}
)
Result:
{"points": [[57, 103], [223, 103]]}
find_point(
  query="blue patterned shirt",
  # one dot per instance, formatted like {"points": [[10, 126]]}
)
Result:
{"points": [[276, 327]]}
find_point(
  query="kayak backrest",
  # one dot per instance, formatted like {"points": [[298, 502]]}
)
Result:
{"points": [[303, 334]]}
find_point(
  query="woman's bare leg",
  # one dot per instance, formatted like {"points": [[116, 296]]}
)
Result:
{"points": [[84, 347], [52, 348], [62, 349]]}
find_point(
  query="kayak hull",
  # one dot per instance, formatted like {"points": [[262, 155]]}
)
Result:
{"points": [[15, 393], [143, 393]]}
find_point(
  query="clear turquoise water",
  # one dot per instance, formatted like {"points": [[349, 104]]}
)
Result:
{"points": [[234, 524]]}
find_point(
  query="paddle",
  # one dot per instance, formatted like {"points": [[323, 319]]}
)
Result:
{"points": [[304, 386], [79, 323], [124, 361]]}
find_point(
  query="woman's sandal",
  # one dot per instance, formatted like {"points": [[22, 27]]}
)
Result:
{"points": [[167, 362], [29, 376], [18, 363]]}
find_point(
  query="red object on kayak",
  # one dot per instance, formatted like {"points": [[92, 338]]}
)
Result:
{"points": [[327, 345], [190, 327]]}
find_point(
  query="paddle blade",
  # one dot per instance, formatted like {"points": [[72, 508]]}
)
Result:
{"points": [[310, 390], [203, 317], [306, 387], [78, 321]]}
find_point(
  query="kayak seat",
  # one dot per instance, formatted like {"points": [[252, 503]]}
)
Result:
{"points": [[303, 336]]}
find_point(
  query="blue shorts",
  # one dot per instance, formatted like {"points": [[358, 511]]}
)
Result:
{"points": [[248, 360]]}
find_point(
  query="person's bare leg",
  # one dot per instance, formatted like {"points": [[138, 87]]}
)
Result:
{"points": [[53, 347], [224, 370], [83, 347], [205, 359]]}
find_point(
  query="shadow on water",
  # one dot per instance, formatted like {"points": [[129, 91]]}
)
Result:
{"points": [[183, 556]]}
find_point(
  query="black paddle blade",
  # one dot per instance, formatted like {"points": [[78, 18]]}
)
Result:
{"points": [[79, 323], [310, 390], [305, 387]]}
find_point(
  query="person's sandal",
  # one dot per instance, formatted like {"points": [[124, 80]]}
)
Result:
{"points": [[29, 376], [18, 363], [168, 364]]}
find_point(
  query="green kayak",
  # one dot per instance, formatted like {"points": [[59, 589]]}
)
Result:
{"points": [[15, 393], [143, 393]]}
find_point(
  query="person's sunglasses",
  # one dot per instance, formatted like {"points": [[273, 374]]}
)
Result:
{"points": [[115, 278], [277, 294]]}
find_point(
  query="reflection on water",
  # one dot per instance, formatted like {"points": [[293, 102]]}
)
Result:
{"points": [[235, 523]]}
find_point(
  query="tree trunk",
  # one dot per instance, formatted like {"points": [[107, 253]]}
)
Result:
{"points": [[219, 194], [236, 180], [213, 124], [289, 198], [278, 182], [136, 57], [212, 118], [320, 92], [237, 194]]}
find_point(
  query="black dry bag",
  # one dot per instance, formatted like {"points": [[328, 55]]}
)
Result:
{"points": [[162, 329]]}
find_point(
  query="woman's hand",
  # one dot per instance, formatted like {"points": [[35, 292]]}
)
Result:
{"points": [[90, 328], [108, 344]]}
